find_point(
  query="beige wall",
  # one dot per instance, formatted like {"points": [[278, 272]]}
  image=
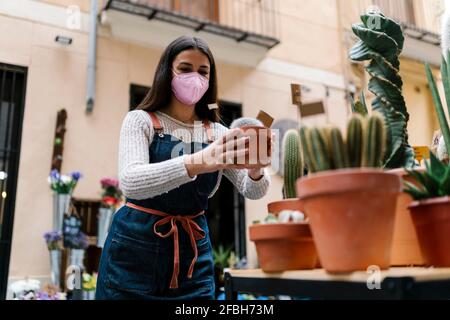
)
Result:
{"points": [[310, 37]]}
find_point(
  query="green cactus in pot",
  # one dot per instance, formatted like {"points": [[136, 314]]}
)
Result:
{"points": [[293, 163], [364, 145]]}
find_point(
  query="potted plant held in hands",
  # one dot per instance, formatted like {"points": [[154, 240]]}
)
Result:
{"points": [[284, 240], [349, 200]]}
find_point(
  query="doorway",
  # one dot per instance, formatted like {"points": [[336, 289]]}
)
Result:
{"points": [[12, 98]]}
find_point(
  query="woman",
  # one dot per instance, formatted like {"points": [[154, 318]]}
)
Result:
{"points": [[171, 160]]}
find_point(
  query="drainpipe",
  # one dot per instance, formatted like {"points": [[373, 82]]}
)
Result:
{"points": [[92, 53]]}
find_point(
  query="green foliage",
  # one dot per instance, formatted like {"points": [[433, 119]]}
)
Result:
{"points": [[325, 149], [381, 42], [437, 98], [221, 255], [293, 164], [434, 182]]}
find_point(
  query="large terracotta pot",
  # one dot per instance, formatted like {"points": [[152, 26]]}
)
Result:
{"points": [[405, 244], [259, 144], [284, 246], [432, 222], [351, 213]]}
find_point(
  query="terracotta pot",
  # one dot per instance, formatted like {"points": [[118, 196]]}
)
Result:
{"points": [[284, 246], [286, 204], [432, 222], [259, 145], [352, 214], [405, 244]]}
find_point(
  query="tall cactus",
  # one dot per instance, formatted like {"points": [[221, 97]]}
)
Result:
{"points": [[364, 146], [381, 42], [293, 164]]}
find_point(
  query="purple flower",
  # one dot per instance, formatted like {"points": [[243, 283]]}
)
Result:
{"points": [[80, 241], [54, 174], [76, 175]]}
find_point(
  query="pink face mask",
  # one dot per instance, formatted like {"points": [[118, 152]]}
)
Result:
{"points": [[190, 87]]}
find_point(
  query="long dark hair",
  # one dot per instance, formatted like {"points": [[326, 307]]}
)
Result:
{"points": [[161, 91]]}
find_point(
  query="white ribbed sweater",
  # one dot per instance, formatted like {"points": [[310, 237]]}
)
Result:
{"points": [[139, 179]]}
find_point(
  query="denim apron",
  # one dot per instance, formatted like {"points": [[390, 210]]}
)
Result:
{"points": [[159, 247]]}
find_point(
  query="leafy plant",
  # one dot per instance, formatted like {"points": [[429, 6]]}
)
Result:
{"points": [[53, 240], [434, 182], [293, 164], [63, 184], [381, 42], [325, 148], [445, 72], [221, 255]]}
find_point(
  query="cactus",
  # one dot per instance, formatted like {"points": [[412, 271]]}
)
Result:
{"points": [[293, 165], [364, 146], [339, 149], [381, 42], [375, 141], [355, 140]]}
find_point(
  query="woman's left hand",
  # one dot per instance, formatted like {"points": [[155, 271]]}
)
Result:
{"points": [[258, 172]]}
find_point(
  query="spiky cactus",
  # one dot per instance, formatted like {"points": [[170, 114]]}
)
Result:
{"points": [[293, 163], [355, 140], [381, 42], [375, 142], [364, 146]]}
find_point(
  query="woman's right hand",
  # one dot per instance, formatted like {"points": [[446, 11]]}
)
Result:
{"points": [[224, 153]]}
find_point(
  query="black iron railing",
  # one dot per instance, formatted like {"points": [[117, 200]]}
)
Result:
{"points": [[253, 21]]}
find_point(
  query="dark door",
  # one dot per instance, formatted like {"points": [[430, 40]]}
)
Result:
{"points": [[12, 98]]}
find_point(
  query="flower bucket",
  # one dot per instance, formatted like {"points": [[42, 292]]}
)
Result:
{"points": [[55, 265], [352, 215], [77, 257], [88, 294], [61, 203], [105, 217]]}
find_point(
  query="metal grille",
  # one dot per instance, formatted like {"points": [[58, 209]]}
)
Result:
{"points": [[12, 97]]}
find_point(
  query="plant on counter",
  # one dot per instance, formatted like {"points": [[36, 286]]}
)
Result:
{"points": [[293, 163], [381, 42], [340, 196], [325, 149], [431, 210], [444, 142]]}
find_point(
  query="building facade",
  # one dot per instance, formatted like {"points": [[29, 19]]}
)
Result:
{"points": [[261, 48]]}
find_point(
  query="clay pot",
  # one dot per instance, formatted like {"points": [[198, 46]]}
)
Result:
{"points": [[405, 244], [432, 222], [286, 204], [352, 214], [284, 246], [259, 145]]}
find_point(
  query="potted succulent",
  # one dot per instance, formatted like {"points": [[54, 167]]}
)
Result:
{"points": [[284, 240], [349, 200], [431, 211], [381, 42]]}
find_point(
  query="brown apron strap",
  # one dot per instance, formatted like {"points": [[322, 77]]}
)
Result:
{"points": [[156, 123]]}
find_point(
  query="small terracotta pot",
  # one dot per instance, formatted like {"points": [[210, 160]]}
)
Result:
{"points": [[405, 244], [259, 145], [432, 222], [352, 214], [286, 204], [284, 246]]}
